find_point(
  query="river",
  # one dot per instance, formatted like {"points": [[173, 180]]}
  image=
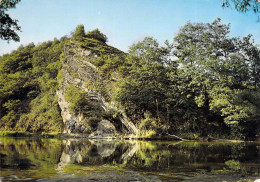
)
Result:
{"points": [[31, 159]]}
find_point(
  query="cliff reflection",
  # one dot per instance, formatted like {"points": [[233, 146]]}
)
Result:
{"points": [[158, 156], [97, 152], [44, 158]]}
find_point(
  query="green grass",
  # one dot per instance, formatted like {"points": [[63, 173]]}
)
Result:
{"points": [[15, 133], [50, 134], [29, 134]]}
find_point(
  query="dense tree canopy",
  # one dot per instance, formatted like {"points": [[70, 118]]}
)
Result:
{"points": [[209, 86], [149, 50], [219, 68], [28, 83], [205, 83], [96, 34]]}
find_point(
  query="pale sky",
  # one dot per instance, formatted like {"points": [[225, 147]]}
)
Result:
{"points": [[123, 21]]}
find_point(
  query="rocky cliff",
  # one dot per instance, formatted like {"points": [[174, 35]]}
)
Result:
{"points": [[80, 73]]}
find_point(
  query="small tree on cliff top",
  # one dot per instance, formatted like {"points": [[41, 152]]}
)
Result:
{"points": [[96, 34], [79, 33]]}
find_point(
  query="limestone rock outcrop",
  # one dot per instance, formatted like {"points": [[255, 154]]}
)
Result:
{"points": [[104, 129], [77, 71]]}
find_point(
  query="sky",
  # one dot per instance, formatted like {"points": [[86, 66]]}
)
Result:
{"points": [[123, 21]]}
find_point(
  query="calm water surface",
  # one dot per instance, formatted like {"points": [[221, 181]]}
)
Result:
{"points": [[30, 159]]}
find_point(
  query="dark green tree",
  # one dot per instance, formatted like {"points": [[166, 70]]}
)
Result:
{"points": [[28, 84], [215, 68], [79, 32], [243, 5], [96, 34], [8, 26]]}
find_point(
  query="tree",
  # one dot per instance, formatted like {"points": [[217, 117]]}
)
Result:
{"points": [[243, 5], [8, 26], [252, 54], [28, 84], [142, 93], [215, 68], [96, 34], [149, 50], [79, 33]]}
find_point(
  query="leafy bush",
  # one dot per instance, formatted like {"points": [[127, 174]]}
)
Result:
{"points": [[149, 126], [81, 104], [150, 134], [15, 133], [96, 34], [93, 122], [79, 33]]}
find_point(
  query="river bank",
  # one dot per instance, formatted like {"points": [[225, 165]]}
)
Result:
{"points": [[125, 137]]}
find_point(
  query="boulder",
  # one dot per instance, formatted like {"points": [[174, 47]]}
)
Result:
{"points": [[104, 129]]}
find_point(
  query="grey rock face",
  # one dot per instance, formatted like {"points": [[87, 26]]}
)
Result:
{"points": [[105, 129], [76, 72]]}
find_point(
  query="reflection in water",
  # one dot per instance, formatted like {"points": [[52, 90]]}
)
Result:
{"points": [[93, 152], [169, 161], [70, 154], [132, 149], [105, 148]]}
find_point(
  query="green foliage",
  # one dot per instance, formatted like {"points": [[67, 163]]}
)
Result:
{"points": [[80, 103], [147, 123], [28, 100], [150, 134], [9, 26], [41, 153], [93, 122], [149, 50], [98, 47], [100, 87], [143, 89], [200, 91], [108, 64], [60, 77], [213, 70], [234, 165], [242, 5], [96, 34], [79, 33], [15, 133], [211, 87], [28, 134]]}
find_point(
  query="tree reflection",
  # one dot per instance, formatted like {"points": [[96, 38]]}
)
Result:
{"points": [[42, 158]]}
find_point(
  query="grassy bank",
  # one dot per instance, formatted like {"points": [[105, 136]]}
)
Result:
{"points": [[30, 134], [126, 137]]}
